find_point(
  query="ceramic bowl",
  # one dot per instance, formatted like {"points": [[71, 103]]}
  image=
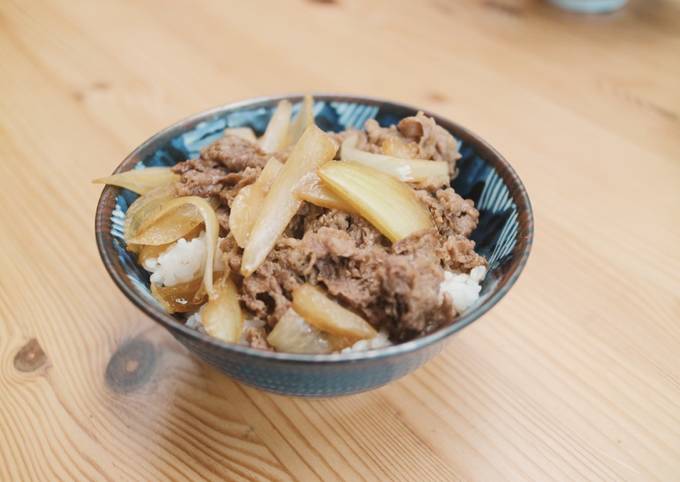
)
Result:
{"points": [[504, 236]]}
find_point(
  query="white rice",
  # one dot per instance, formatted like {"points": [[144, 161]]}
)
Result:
{"points": [[379, 341], [194, 321], [181, 262], [462, 288], [249, 323]]}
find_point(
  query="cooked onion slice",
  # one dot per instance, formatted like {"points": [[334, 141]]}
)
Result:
{"points": [[409, 170], [292, 334], [140, 181], [388, 204], [247, 204], [147, 252], [394, 146], [280, 204], [144, 210], [276, 134], [209, 218], [312, 190], [147, 222], [243, 132], [221, 316], [328, 316], [169, 227], [244, 210], [304, 119], [180, 298]]}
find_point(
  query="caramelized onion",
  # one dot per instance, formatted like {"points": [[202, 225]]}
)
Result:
{"points": [[140, 181]]}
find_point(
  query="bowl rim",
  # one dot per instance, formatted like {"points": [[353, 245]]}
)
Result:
{"points": [[522, 249]]}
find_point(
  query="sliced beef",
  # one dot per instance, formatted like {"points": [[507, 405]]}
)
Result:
{"points": [[362, 140], [231, 254], [297, 226], [415, 137], [360, 230], [352, 274], [223, 218], [396, 288], [452, 214], [199, 177], [393, 286], [388, 140], [235, 153], [413, 276], [256, 337], [267, 292], [458, 254], [237, 180], [222, 169], [455, 219], [434, 142]]}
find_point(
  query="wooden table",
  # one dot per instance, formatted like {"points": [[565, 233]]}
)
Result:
{"points": [[574, 376]]}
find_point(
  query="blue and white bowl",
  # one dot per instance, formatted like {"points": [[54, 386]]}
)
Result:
{"points": [[504, 236]]}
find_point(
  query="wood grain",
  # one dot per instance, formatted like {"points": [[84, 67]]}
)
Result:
{"points": [[574, 376]]}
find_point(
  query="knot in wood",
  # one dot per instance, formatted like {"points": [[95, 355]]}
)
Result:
{"points": [[30, 357]]}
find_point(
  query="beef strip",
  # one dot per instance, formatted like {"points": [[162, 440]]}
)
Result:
{"points": [[455, 219], [434, 142], [237, 180], [415, 137], [457, 253], [222, 169], [199, 177], [360, 230], [297, 226], [235, 153], [415, 274], [231, 254], [256, 338], [223, 218], [396, 288], [388, 140], [362, 140], [267, 292], [450, 212]]}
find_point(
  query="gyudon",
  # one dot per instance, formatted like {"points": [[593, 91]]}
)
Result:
{"points": [[309, 242]]}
